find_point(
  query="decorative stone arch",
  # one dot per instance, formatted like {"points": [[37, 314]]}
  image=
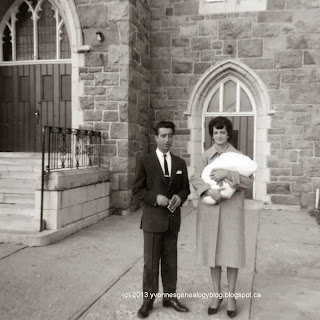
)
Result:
{"points": [[259, 91], [69, 13]]}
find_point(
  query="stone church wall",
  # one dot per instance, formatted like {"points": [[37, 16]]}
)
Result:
{"points": [[281, 45]]}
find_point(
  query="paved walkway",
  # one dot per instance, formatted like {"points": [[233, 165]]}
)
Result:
{"points": [[90, 275]]}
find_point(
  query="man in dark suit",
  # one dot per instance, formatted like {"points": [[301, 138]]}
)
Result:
{"points": [[162, 184]]}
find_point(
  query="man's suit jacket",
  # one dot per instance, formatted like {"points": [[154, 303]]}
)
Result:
{"points": [[150, 182]]}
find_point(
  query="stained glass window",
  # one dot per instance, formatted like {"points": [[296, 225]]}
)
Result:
{"points": [[7, 46], [47, 32], [35, 31], [24, 33], [65, 45]]}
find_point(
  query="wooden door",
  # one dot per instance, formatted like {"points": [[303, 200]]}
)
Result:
{"points": [[242, 139], [32, 96]]}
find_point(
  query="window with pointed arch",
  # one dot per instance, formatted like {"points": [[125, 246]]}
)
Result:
{"points": [[232, 99], [34, 30], [230, 96]]}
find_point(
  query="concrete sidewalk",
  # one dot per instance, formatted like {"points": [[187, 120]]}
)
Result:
{"points": [[97, 273]]}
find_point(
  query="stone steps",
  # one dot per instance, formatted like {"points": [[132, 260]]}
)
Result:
{"points": [[18, 175], [19, 161], [20, 167], [17, 198], [16, 190], [23, 209], [10, 222], [14, 182], [23, 155]]}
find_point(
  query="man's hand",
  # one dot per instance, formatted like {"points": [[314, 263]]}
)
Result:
{"points": [[174, 202], [215, 194], [218, 175], [162, 201]]}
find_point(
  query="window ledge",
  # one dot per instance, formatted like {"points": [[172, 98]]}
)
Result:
{"points": [[228, 6]]}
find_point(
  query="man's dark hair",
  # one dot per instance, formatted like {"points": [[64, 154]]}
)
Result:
{"points": [[219, 123], [164, 124]]}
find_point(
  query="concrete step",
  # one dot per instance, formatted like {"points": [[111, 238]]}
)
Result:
{"points": [[25, 183], [33, 162], [20, 175], [22, 209], [18, 223], [20, 167], [16, 190], [24, 155], [25, 198]]}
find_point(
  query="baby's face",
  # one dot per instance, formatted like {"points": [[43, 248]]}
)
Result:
{"points": [[220, 136]]}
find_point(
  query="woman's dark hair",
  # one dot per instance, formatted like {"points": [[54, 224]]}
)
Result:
{"points": [[164, 124], [219, 123]]}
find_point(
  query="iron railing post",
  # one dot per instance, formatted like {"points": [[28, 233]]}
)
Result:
{"points": [[42, 176], [100, 149]]}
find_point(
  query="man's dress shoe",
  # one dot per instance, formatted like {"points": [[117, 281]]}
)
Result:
{"points": [[143, 312], [175, 304]]}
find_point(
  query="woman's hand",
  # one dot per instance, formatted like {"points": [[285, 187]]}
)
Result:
{"points": [[218, 174]]}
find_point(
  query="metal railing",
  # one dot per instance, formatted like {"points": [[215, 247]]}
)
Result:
{"points": [[64, 148]]}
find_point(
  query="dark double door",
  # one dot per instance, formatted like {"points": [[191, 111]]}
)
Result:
{"points": [[32, 96]]}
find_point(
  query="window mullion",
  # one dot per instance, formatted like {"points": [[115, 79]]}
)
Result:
{"points": [[12, 28], [35, 18], [1, 48], [221, 97], [59, 24], [238, 98], [35, 37]]}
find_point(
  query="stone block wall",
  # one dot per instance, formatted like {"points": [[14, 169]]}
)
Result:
{"points": [[74, 195], [139, 97], [105, 75], [115, 79], [280, 45]]}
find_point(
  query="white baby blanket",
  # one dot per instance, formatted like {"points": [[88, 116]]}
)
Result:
{"points": [[230, 161]]}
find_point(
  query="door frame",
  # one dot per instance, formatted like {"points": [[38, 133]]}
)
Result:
{"points": [[260, 93]]}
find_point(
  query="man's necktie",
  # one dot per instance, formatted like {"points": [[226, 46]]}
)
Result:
{"points": [[166, 170]]}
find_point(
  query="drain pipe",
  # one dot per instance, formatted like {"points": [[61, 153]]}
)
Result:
{"points": [[317, 199]]}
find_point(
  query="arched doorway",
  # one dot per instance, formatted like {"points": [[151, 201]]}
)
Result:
{"points": [[35, 72], [232, 89], [232, 99]]}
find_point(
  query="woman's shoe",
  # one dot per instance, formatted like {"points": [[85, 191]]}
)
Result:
{"points": [[214, 310], [232, 313]]}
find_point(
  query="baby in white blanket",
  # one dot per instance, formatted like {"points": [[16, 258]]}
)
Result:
{"points": [[230, 161]]}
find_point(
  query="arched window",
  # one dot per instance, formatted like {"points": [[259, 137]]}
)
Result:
{"points": [[231, 98], [35, 31]]}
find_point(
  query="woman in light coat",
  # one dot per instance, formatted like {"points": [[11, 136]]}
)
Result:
{"points": [[220, 227]]}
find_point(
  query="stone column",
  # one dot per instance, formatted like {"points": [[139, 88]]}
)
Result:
{"points": [[115, 80]]}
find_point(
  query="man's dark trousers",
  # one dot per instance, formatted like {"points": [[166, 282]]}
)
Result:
{"points": [[160, 246]]}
